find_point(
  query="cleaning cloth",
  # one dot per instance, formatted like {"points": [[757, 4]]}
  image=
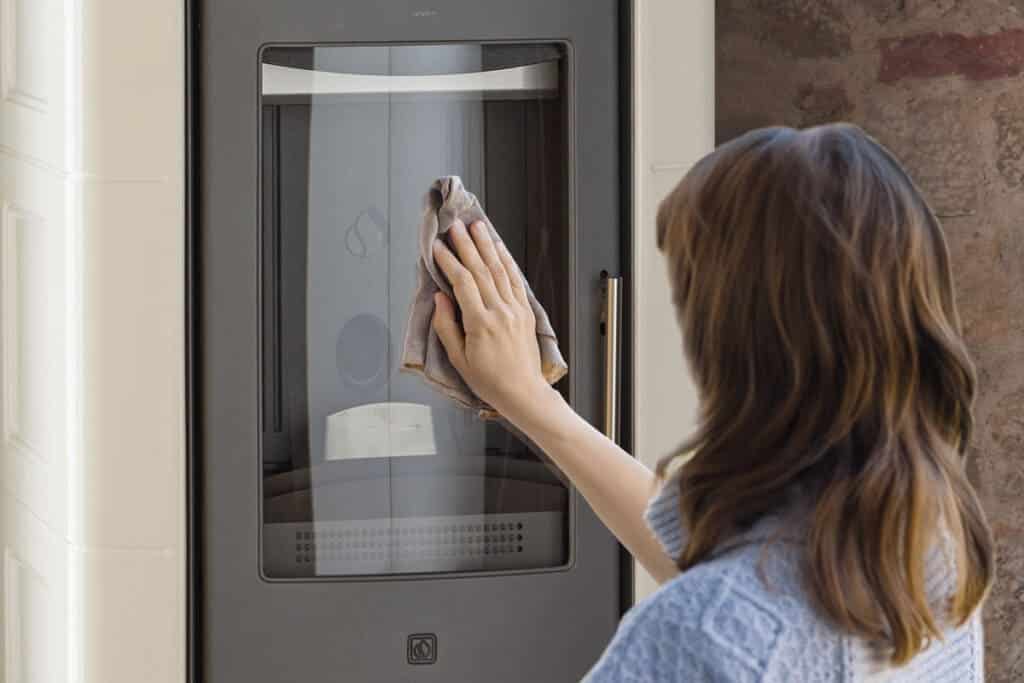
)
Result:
{"points": [[423, 353]]}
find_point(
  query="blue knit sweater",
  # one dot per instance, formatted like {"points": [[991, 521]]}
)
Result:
{"points": [[744, 616]]}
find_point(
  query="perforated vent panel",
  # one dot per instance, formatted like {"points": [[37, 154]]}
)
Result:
{"points": [[433, 544]]}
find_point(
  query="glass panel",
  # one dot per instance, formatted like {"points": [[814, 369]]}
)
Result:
{"points": [[367, 470]]}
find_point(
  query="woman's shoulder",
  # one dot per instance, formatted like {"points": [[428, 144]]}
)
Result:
{"points": [[725, 619], [661, 637]]}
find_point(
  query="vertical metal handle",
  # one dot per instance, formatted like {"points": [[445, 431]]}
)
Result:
{"points": [[612, 324]]}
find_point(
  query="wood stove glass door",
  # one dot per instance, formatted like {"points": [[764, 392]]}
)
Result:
{"points": [[349, 522]]}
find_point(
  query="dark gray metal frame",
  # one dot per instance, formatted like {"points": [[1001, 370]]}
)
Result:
{"points": [[213, 365]]}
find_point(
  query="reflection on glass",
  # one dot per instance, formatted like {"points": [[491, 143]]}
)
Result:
{"points": [[367, 470]]}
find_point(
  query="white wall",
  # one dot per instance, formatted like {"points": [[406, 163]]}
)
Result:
{"points": [[92, 243], [674, 125]]}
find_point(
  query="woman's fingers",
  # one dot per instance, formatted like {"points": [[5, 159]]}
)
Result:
{"points": [[489, 254], [448, 330], [463, 283], [516, 282], [472, 261]]}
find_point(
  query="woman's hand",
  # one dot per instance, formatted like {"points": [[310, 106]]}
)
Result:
{"points": [[497, 355]]}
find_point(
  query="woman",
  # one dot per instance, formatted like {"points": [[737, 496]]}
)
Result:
{"points": [[819, 525]]}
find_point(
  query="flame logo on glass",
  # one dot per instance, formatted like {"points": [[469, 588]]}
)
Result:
{"points": [[368, 233], [422, 648]]}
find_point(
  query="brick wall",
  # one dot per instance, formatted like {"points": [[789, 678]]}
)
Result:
{"points": [[940, 83]]}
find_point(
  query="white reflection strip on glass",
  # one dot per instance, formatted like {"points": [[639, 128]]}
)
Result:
{"points": [[284, 80], [380, 430]]}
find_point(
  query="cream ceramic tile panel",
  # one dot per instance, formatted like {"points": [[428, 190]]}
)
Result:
{"points": [[23, 237], [34, 602], [673, 127], [36, 181], [133, 407], [33, 339], [133, 85], [23, 77], [27, 604], [131, 628], [130, 538], [679, 75], [28, 382], [667, 400], [32, 81]]}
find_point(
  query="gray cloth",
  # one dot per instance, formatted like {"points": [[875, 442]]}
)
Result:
{"points": [[423, 352]]}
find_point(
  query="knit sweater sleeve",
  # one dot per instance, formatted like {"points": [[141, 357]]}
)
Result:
{"points": [[664, 520]]}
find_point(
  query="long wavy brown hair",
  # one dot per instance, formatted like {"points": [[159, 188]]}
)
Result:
{"points": [[813, 288]]}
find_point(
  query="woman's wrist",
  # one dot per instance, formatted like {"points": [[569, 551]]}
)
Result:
{"points": [[538, 411]]}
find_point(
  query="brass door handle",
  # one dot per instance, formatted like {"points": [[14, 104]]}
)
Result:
{"points": [[611, 323]]}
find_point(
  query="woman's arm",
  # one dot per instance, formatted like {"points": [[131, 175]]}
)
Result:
{"points": [[615, 484], [498, 357]]}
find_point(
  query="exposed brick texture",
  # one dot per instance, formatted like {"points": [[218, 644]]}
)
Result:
{"points": [[943, 156], [928, 55], [1009, 119], [822, 103], [788, 25], [941, 83]]}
